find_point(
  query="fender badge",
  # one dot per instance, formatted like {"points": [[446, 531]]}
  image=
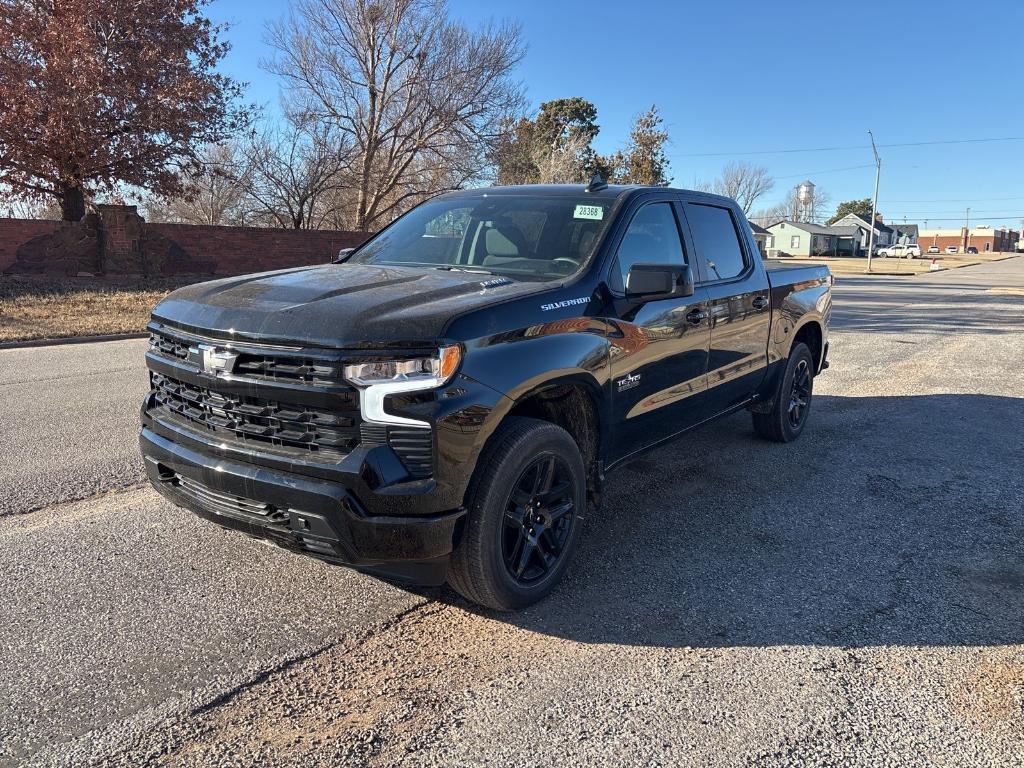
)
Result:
{"points": [[566, 303], [631, 380]]}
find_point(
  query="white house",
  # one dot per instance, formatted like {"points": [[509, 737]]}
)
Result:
{"points": [[883, 233]]}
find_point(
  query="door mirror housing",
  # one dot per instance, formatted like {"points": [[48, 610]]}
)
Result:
{"points": [[343, 255], [650, 282]]}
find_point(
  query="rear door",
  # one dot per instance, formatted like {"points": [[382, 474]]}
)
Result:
{"points": [[737, 291], [659, 349]]}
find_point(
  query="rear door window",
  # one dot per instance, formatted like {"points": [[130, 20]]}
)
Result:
{"points": [[716, 240]]}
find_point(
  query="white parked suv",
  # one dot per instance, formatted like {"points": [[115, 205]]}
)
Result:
{"points": [[951, 249], [901, 251]]}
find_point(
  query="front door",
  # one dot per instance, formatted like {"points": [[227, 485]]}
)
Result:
{"points": [[659, 349]]}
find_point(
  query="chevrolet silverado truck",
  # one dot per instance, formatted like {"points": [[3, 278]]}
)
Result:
{"points": [[444, 402]]}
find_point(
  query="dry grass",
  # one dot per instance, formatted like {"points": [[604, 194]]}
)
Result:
{"points": [[51, 308], [879, 266]]}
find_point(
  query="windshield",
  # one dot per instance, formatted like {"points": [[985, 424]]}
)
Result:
{"points": [[522, 236]]}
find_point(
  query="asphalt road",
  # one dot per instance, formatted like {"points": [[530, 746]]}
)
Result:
{"points": [[68, 425], [854, 598]]}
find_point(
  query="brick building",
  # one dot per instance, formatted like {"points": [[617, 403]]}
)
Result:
{"points": [[985, 239]]}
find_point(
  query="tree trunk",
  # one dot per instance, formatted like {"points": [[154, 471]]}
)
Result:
{"points": [[72, 203]]}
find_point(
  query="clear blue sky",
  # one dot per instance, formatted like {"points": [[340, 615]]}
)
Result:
{"points": [[746, 77]]}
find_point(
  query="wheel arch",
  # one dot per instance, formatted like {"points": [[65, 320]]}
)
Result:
{"points": [[574, 402], [811, 333]]}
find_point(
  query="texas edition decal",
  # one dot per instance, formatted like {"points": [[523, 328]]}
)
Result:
{"points": [[631, 380]]}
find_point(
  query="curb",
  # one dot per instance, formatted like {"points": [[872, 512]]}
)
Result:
{"points": [[71, 340]]}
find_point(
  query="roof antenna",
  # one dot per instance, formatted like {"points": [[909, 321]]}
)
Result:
{"points": [[597, 183]]}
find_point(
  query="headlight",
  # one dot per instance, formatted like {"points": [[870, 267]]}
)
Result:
{"points": [[379, 379], [428, 372]]}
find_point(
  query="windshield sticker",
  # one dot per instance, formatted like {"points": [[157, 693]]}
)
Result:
{"points": [[566, 303], [595, 212]]}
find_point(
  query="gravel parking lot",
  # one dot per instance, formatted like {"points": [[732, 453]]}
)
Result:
{"points": [[854, 598]]}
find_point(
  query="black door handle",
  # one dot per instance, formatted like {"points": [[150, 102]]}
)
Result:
{"points": [[760, 302], [696, 316]]}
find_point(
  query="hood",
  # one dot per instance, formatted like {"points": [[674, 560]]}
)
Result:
{"points": [[337, 305]]}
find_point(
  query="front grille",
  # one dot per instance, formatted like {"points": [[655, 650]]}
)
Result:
{"points": [[330, 434], [231, 505], [168, 345], [261, 365], [271, 421], [272, 368]]}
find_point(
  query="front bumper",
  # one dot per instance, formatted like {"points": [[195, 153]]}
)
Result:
{"points": [[301, 513]]}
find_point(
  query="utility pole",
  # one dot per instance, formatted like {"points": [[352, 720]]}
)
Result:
{"points": [[874, 201], [967, 243]]}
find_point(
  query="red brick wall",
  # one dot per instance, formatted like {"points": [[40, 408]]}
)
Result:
{"points": [[237, 250], [14, 232], [170, 248]]}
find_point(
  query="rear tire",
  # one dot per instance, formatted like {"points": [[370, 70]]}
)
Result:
{"points": [[788, 415], [525, 509]]}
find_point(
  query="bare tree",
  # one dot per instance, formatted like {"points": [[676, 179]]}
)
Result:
{"points": [[14, 205], [421, 99], [743, 182], [293, 170], [216, 196], [765, 217], [789, 209]]}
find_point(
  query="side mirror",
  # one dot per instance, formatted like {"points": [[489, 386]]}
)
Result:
{"points": [[342, 256], [649, 282]]}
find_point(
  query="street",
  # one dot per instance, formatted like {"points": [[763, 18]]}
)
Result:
{"points": [[853, 598]]}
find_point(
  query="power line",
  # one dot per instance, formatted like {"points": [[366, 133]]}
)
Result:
{"points": [[850, 147], [989, 211]]}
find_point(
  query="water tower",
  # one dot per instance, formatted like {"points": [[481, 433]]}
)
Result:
{"points": [[805, 201]]}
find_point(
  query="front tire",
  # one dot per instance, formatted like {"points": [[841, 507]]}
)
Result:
{"points": [[525, 510], [788, 415]]}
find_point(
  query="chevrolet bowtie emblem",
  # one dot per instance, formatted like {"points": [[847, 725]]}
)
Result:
{"points": [[212, 360]]}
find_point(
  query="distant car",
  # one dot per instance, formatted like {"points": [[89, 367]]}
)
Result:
{"points": [[972, 249], [901, 251], [933, 249], [951, 249]]}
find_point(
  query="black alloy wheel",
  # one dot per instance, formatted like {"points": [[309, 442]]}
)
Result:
{"points": [[800, 393], [538, 519], [526, 506], [786, 414]]}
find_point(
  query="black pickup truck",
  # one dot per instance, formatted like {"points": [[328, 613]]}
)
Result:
{"points": [[444, 402]]}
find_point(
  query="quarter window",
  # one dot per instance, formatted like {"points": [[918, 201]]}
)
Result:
{"points": [[716, 240], [652, 238]]}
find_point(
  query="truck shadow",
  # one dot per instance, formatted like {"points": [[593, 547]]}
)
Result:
{"points": [[892, 521]]}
